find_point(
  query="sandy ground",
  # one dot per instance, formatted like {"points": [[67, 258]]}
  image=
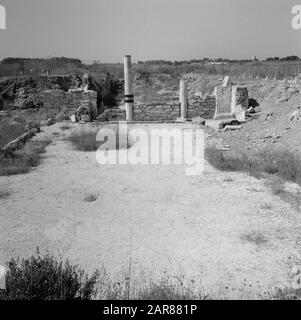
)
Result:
{"points": [[226, 233]]}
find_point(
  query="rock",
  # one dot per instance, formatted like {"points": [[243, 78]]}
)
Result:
{"points": [[253, 103], [268, 115], [251, 110], [50, 122], [232, 122], [85, 118], [296, 115]]}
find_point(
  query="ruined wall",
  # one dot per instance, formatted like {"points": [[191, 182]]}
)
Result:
{"points": [[201, 107], [170, 111], [57, 100], [157, 111]]}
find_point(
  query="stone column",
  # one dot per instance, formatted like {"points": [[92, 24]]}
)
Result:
{"points": [[128, 94], [183, 99]]}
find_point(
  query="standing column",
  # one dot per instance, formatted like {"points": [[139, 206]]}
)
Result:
{"points": [[183, 98], [128, 97]]}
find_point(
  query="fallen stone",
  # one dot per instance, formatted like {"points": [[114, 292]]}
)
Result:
{"points": [[50, 122], [231, 128], [251, 110], [232, 122]]}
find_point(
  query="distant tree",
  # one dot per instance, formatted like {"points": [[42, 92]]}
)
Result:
{"points": [[290, 58]]}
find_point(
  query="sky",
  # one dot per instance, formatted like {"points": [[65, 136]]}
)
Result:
{"points": [[107, 30]]}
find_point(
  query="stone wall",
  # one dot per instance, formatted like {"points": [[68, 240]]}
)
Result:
{"points": [[201, 107], [166, 111], [58, 100], [170, 111]]}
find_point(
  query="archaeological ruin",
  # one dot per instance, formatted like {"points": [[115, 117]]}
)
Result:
{"points": [[227, 101]]}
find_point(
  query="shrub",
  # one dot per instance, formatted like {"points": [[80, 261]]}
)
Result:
{"points": [[45, 278], [10, 131], [84, 140], [23, 160]]}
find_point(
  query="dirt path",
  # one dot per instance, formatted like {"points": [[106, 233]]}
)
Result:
{"points": [[226, 232]]}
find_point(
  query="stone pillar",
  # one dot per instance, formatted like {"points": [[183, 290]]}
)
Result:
{"points": [[223, 96], [183, 99], [128, 94], [240, 102]]}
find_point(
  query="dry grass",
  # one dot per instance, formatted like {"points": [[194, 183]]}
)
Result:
{"points": [[165, 291], [283, 164], [287, 294], [166, 288], [23, 160], [86, 141], [10, 131], [65, 127]]}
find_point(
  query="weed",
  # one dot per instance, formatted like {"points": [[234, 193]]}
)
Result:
{"points": [[46, 278], [23, 160]]}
